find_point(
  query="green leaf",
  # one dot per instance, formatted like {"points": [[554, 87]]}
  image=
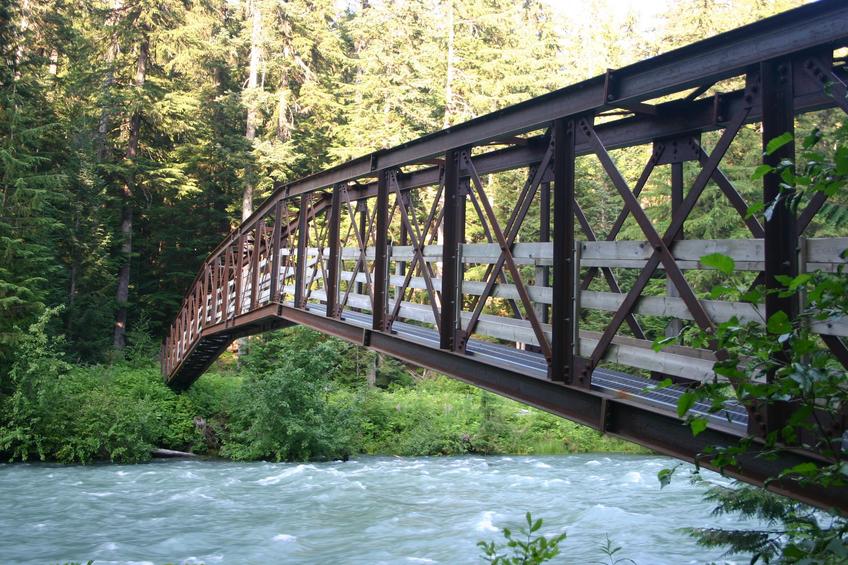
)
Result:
{"points": [[665, 383], [664, 476], [720, 262], [778, 323], [761, 171], [718, 291], [813, 138], [754, 209], [753, 296], [685, 402], [698, 425], [807, 468], [841, 159], [778, 142], [536, 525]]}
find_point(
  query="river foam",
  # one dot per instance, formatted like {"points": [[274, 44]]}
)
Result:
{"points": [[372, 510]]}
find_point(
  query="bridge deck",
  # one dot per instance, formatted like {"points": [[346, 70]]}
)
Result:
{"points": [[533, 364]]}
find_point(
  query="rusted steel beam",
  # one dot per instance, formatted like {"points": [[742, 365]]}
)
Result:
{"points": [[225, 281], [671, 232], [562, 366], [363, 231], [239, 274], [411, 229], [381, 251], [505, 240], [451, 299], [543, 275], [781, 229], [661, 248], [276, 239], [332, 282], [302, 235], [258, 236]]}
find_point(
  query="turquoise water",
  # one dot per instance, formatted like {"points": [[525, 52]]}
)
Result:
{"points": [[369, 510]]}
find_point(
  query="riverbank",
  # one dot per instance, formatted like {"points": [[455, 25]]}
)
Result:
{"points": [[296, 396]]}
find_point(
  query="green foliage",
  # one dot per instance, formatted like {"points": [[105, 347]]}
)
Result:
{"points": [[285, 415], [439, 416], [297, 396], [67, 414], [794, 532], [525, 548], [610, 551], [283, 412], [782, 363]]}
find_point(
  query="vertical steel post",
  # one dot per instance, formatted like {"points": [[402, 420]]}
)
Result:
{"points": [[204, 310], [258, 235], [276, 238], [216, 281], [332, 283], [300, 267], [225, 280], [362, 209], [239, 274], [400, 266], [781, 231], [542, 277], [450, 252], [563, 315], [381, 253], [675, 326]]}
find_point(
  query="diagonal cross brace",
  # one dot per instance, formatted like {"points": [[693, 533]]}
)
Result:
{"points": [[506, 241], [414, 232], [677, 221]]}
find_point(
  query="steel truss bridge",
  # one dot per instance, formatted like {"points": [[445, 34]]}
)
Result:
{"points": [[402, 251]]}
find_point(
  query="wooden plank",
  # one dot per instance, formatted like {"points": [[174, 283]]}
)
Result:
{"points": [[684, 362], [822, 253], [719, 310]]}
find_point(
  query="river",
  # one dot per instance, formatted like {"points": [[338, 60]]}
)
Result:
{"points": [[368, 510]]}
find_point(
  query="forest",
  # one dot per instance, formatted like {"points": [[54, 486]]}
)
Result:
{"points": [[135, 135]]}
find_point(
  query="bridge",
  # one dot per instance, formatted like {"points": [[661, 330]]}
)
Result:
{"points": [[406, 251]]}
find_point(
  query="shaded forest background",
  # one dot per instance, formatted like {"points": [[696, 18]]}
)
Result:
{"points": [[135, 134]]}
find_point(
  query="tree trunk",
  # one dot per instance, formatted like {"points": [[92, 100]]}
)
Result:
{"points": [[283, 125], [252, 80], [446, 121], [448, 115], [108, 81], [373, 366], [122, 294], [250, 129]]}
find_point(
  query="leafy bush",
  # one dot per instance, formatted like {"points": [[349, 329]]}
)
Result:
{"points": [[283, 411], [524, 550], [68, 414]]}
